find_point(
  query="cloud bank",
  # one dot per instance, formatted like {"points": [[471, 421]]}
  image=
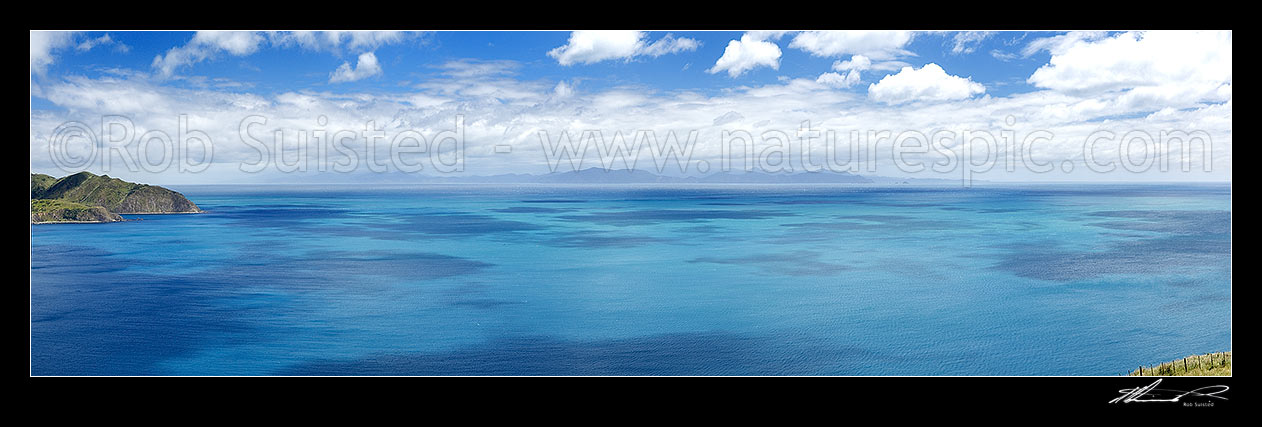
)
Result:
{"points": [[1092, 82]]}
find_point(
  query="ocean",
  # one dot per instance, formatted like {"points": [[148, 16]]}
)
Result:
{"points": [[1051, 279]]}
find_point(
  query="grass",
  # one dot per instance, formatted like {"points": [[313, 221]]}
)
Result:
{"points": [[56, 210], [49, 205], [113, 194], [1212, 364], [40, 183], [89, 189]]}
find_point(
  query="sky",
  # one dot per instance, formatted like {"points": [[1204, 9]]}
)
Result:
{"points": [[1081, 106]]}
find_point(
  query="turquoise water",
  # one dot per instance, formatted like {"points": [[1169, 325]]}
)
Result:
{"points": [[631, 280]]}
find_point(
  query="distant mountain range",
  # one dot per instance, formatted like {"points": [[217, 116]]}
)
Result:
{"points": [[85, 197]]}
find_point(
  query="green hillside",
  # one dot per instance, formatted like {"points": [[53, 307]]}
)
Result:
{"points": [[46, 210], [39, 183], [86, 197], [115, 194]]}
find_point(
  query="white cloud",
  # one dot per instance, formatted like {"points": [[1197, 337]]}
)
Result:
{"points": [[967, 41], [563, 90], [670, 44], [1002, 55], [103, 40], [1056, 44], [208, 44], [466, 68], [43, 43], [369, 39], [889, 65], [856, 62], [108, 94], [365, 68], [848, 72], [873, 44], [586, 47], [235, 42], [204, 45], [333, 41], [746, 54], [499, 109], [767, 35], [1165, 68], [728, 117], [839, 81], [929, 83]]}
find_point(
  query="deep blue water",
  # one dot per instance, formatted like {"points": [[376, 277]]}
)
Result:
{"points": [[771, 280]]}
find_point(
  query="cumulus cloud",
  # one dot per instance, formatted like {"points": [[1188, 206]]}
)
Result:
{"points": [[839, 81], [586, 47], [750, 52], [856, 62], [929, 83], [365, 68], [872, 44], [1168, 68], [204, 45], [43, 43], [847, 72]]}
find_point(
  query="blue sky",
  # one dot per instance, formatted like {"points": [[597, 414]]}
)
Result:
{"points": [[512, 84], [278, 70]]}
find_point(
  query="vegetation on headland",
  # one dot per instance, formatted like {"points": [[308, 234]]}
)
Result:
{"points": [[1212, 364], [39, 183], [45, 210], [85, 197]]}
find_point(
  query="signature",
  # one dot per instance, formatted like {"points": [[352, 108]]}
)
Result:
{"points": [[1151, 393]]}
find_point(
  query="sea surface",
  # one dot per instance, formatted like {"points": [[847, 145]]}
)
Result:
{"points": [[1062, 279]]}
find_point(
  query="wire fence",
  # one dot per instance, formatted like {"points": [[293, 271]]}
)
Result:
{"points": [[1202, 364]]}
